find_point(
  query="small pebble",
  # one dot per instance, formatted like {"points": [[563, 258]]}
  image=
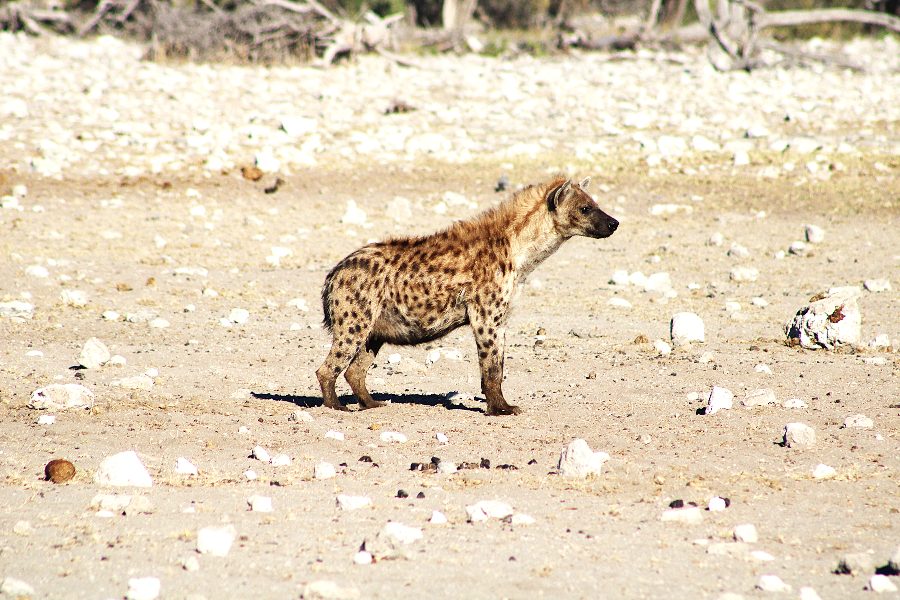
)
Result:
{"points": [[94, 354], [324, 470], [216, 541], [281, 460], [446, 467], [881, 584], [437, 518], [392, 436], [686, 328], [124, 468], [855, 563], [808, 593], [260, 453], [746, 533], [760, 368], [877, 285], [403, 534], [190, 563], [46, 419], [521, 519], [798, 435], [662, 347], [719, 398], [442, 438], [823, 471], [744, 274], [814, 234], [760, 398], [260, 503], [301, 416], [794, 403], [488, 509], [59, 396], [59, 470], [858, 421], [352, 502], [335, 435], [578, 460], [362, 558], [143, 588], [619, 302], [772, 583], [717, 504], [250, 474], [689, 516]]}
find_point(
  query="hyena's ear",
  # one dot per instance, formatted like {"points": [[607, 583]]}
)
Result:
{"points": [[584, 183], [558, 195]]}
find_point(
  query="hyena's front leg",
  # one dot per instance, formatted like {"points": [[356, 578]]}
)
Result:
{"points": [[348, 341], [490, 340]]}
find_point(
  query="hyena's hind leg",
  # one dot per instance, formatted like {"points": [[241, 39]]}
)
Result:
{"points": [[356, 373], [347, 344]]}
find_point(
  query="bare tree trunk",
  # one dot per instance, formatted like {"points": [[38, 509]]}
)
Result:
{"points": [[803, 17]]}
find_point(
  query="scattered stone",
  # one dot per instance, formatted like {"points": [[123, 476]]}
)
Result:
{"points": [[281, 460], [399, 209], [392, 436], [760, 398], [324, 470], [23, 528], [686, 328], [335, 435], [619, 303], [855, 563], [437, 518], [662, 347], [139, 504], [826, 323], [735, 549], [138, 382], [716, 239], [746, 533], [16, 309], [16, 588], [732, 307], [738, 251], [124, 468], [190, 563], [814, 234], [260, 453], [260, 503], [488, 509], [60, 396], [761, 368], [59, 470], [658, 282], [808, 593], [798, 248], [352, 502], [402, 534], [772, 583], [744, 274], [442, 438], [719, 398], [823, 471], [363, 558], [894, 561], [858, 422], [521, 519], [760, 302], [445, 467], [328, 590], [143, 588], [185, 467], [158, 323], [578, 460], [877, 285], [689, 516], [75, 298], [301, 416], [216, 541], [794, 403], [717, 504], [353, 215], [46, 419], [798, 435], [881, 584], [239, 315], [250, 474], [761, 556]]}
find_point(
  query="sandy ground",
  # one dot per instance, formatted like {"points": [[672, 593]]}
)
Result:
{"points": [[586, 378]]}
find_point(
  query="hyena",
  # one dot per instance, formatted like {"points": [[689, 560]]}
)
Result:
{"points": [[407, 291]]}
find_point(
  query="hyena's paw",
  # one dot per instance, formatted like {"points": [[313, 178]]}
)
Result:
{"points": [[497, 411], [371, 404]]}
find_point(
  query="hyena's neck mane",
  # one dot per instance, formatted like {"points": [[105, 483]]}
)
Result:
{"points": [[524, 223]]}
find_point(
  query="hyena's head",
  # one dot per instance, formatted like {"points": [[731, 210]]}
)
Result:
{"points": [[574, 212]]}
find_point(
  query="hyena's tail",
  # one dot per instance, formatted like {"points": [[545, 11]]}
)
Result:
{"points": [[326, 297]]}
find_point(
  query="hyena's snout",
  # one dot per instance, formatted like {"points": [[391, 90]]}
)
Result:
{"points": [[603, 225]]}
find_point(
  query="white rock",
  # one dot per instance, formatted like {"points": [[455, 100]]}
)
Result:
{"points": [[808, 593], [297, 126], [814, 234], [437, 518], [619, 303], [488, 509], [738, 251], [798, 435], [637, 278], [716, 239], [394, 358], [894, 561], [75, 298], [60, 396], [658, 282], [702, 144], [281, 460], [216, 541], [17, 308], [301, 416], [335, 435], [760, 398], [16, 588], [363, 558], [124, 468], [823, 471], [190, 564], [620, 278], [521, 519], [185, 467], [877, 285], [260, 453], [761, 556], [445, 467], [239, 315], [719, 398], [260, 503], [324, 470], [744, 274], [760, 302], [794, 403], [152, 372], [761, 368], [798, 248], [690, 516], [138, 382], [399, 209], [47, 419], [267, 162], [328, 590], [746, 533], [740, 158], [670, 209], [250, 474], [37, 271], [732, 307], [827, 323], [686, 328], [858, 421], [353, 215], [115, 503], [772, 583], [143, 588], [402, 534], [158, 323], [442, 438], [392, 436], [662, 347], [716, 504], [345, 502], [881, 584], [578, 460]]}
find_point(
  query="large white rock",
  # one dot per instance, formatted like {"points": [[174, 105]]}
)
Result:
{"points": [[324, 470], [16, 588], [185, 467], [798, 435], [94, 355], [124, 468], [881, 584], [719, 398], [17, 308], [60, 396], [578, 460], [686, 328], [216, 541], [143, 588], [827, 323], [858, 422], [814, 234]]}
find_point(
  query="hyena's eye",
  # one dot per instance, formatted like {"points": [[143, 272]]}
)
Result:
{"points": [[585, 209]]}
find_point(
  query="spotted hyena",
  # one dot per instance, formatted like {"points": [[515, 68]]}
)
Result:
{"points": [[412, 290]]}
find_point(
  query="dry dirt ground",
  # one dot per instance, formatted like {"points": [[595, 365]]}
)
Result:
{"points": [[587, 378]]}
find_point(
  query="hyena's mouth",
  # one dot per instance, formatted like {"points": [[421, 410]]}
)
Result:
{"points": [[605, 228]]}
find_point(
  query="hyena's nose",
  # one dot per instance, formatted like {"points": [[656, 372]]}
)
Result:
{"points": [[612, 224]]}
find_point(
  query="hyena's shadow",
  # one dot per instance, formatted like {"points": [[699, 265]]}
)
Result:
{"points": [[350, 399]]}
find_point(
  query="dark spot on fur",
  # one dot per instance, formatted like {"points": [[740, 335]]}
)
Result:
{"points": [[482, 354]]}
